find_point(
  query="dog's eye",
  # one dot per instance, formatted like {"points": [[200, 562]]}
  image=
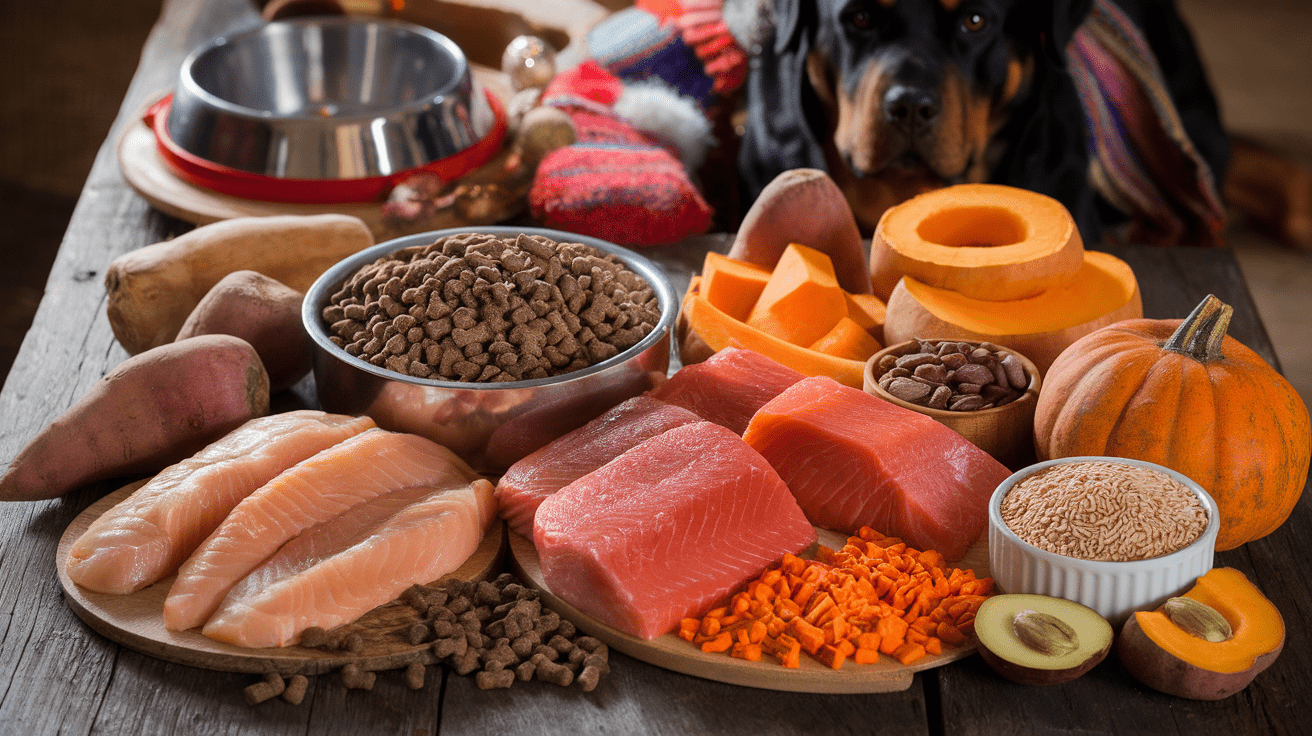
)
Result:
{"points": [[860, 20], [974, 23]]}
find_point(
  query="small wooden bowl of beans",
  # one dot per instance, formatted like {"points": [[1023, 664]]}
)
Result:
{"points": [[982, 391]]}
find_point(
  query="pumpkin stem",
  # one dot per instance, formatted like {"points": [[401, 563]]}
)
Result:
{"points": [[1201, 333]]}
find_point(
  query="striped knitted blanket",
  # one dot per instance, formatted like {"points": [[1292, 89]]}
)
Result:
{"points": [[1141, 159]]}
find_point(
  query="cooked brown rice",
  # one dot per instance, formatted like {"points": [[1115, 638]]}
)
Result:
{"points": [[1095, 510]]}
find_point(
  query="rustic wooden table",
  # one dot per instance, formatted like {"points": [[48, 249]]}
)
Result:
{"points": [[58, 676]]}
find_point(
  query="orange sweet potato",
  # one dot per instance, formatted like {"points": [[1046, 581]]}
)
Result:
{"points": [[732, 285], [804, 206], [152, 410], [847, 340], [263, 312]]}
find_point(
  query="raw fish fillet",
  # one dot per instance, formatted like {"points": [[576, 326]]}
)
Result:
{"points": [[728, 387], [335, 572], [574, 455], [852, 459], [315, 490], [667, 529], [151, 532]]}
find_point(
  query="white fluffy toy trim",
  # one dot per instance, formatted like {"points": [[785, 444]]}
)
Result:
{"points": [[656, 108]]}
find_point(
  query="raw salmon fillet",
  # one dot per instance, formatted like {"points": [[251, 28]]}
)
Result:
{"points": [[340, 569], [728, 387], [667, 529], [317, 489], [574, 455], [852, 459], [151, 532]]}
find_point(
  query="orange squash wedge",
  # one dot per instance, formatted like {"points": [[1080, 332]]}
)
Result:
{"points": [[732, 285], [708, 330], [985, 241], [847, 339], [1039, 327], [802, 300]]}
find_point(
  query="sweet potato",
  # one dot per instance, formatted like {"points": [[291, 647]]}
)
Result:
{"points": [[152, 290], [152, 410], [264, 313], [804, 206]]}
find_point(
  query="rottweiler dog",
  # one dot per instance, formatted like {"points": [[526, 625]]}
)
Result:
{"points": [[896, 97]]}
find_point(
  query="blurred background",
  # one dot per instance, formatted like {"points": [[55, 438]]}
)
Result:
{"points": [[65, 67]]}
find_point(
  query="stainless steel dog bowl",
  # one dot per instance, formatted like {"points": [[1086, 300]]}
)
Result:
{"points": [[327, 98], [490, 425]]}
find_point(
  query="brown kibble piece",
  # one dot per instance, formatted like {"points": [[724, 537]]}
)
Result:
{"points": [[294, 693], [355, 677], [414, 675], [589, 678], [494, 680]]}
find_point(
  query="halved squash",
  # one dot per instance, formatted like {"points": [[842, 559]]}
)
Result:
{"points": [[985, 241], [1039, 327]]}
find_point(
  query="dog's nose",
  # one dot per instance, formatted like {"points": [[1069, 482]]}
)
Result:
{"points": [[911, 108]]}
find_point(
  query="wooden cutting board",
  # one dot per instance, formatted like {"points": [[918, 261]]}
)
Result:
{"points": [[136, 620], [672, 653]]}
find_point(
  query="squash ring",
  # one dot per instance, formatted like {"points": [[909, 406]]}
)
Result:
{"points": [[985, 241]]}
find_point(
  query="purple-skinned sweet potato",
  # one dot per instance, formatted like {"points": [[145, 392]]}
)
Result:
{"points": [[263, 312], [152, 410]]}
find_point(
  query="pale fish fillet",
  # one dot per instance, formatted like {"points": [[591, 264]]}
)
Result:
{"points": [[339, 570], [315, 490], [151, 532]]}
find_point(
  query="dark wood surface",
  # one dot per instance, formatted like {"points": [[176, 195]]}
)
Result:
{"points": [[58, 676]]}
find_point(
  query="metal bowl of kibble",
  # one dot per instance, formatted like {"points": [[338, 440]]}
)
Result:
{"points": [[492, 341], [1114, 534], [984, 392]]}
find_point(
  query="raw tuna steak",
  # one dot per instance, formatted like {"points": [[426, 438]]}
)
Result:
{"points": [[312, 491], [728, 387], [335, 572], [574, 455], [852, 459], [667, 529], [149, 533]]}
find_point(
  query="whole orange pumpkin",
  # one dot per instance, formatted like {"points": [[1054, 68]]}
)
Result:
{"points": [[1183, 394]]}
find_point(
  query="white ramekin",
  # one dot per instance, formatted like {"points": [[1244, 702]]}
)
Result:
{"points": [[1113, 589]]}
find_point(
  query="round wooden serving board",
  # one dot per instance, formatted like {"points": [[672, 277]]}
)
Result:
{"points": [[136, 620], [672, 653]]}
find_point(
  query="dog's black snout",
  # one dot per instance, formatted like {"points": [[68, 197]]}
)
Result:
{"points": [[911, 108]]}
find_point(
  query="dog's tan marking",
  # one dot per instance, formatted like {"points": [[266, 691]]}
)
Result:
{"points": [[888, 3], [950, 5]]}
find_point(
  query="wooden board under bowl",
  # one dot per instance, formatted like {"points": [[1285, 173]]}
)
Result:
{"points": [[136, 620], [672, 653]]}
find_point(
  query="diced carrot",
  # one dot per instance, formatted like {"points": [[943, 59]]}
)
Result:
{"points": [[793, 565], [934, 646], [811, 637], [710, 626], [721, 642], [950, 634], [865, 656], [688, 628], [830, 656], [908, 653]]}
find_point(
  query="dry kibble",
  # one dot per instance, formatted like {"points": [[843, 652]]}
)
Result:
{"points": [[355, 677], [493, 680], [414, 675], [295, 690], [270, 687], [953, 376], [542, 308]]}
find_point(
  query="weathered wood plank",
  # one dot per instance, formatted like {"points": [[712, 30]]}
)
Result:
{"points": [[638, 698]]}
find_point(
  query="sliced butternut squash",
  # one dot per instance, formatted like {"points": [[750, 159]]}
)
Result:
{"points": [[1039, 327], [732, 285], [847, 340], [716, 330], [868, 311], [802, 300], [986, 241]]}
